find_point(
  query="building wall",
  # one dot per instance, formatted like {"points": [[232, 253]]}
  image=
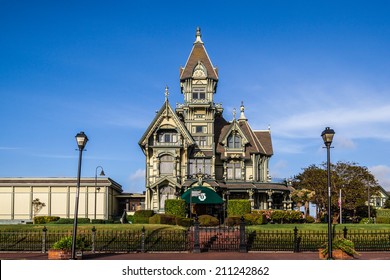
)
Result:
{"points": [[59, 198]]}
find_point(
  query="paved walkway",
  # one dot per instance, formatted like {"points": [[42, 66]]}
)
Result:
{"points": [[200, 256]]}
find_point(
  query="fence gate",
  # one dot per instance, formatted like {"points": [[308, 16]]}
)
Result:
{"points": [[221, 238]]}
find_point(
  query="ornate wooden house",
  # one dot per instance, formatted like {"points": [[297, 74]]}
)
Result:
{"points": [[193, 145]]}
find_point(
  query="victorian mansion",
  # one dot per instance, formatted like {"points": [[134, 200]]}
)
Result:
{"points": [[194, 146]]}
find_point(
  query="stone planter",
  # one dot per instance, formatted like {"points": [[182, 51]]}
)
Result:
{"points": [[336, 254], [59, 254]]}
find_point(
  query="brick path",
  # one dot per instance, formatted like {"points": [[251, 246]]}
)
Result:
{"points": [[200, 256]]}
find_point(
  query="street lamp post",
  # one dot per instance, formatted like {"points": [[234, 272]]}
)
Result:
{"points": [[82, 140], [96, 187], [327, 136]]}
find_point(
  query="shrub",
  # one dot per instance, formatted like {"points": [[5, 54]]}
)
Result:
{"points": [[130, 218], [207, 220], [278, 216], [70, 221], [98, 221], [65, 243], [383, 220], [309, 219], [162, 219], [233, 221], [142, 216], [345, 245], [238, 207], [383, 213], [184, 222], [45, 219], [176, 207], [255, 218]]}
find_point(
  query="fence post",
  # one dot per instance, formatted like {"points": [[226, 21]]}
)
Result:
{"points": [[143, 240], [196, 248], [296, 241], [243, 248], [345, 230], [93, 239], [44, 239]]}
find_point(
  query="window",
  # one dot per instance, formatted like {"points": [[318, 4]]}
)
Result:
{"points": [[233, 171], [199, 129], [167, 165], [199, 93], [234, 141], [200, 164], [167, 136], [200, 140]]}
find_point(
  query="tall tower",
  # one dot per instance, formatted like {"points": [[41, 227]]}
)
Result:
{"points": [[198, 82]]}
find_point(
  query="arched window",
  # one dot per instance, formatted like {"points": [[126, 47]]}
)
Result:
{"points": [[167, 163], [234, 141]]}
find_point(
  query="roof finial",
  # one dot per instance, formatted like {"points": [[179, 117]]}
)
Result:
{"points": [[234, 113], [198, 36], [242, 115], [166, 93]]}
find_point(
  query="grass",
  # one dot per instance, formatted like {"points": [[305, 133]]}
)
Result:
{"points": [[86, 227], [319, 227]]}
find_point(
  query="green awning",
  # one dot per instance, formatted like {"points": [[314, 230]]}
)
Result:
{"points": [[202, 195]]}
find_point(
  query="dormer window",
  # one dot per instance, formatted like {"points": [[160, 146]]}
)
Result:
{"points": [[234, 141], [167, 136], [199, 93]]}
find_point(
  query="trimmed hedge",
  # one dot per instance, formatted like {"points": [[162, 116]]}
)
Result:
{"points": [[162, 219], [70, 221], [45, 219], [176, 207], [142, 216], [233, 221], [238, 207], [207, 221], [184, 222], [383, 216]]}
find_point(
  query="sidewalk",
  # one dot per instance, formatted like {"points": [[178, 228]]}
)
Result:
{"points": [[201, 256]]}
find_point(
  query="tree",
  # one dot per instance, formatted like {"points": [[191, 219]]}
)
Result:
{"points": [[356, 183], [302, 197], [37, 206]]}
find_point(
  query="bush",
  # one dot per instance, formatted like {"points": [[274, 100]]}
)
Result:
{"points": [[383, 216], [278, 216], [309, 219], [233, 221], [176, 207], [207, 220], [98, 221], [255, 218], [45, 219], [238, 207], [130, 218], [70, 221], [142, 216], [65, 243], [184, 222], [162, 219]]}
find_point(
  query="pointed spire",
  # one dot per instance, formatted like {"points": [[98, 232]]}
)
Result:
{"points": [[234, 114], [198, 36], [166, 93], [242, 115]]}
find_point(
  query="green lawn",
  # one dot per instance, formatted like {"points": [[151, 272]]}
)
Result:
{"points": [[320, 227], [81, 227]]}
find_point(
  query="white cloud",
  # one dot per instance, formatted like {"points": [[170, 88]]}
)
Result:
{"points": [[138, 175], [382, 174]]}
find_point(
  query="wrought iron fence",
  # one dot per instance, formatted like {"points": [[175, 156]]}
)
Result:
{"points": [[195, 239]]}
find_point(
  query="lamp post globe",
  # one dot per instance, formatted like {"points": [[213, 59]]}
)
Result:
{"points": [[327, 136], [96, 187], [81, 140]]}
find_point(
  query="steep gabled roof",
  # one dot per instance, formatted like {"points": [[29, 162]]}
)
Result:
{"points": [[264, 137], [165, 111], [198, 54]]}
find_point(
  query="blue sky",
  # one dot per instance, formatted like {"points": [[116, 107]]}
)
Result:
{"points": [[102, 66]]}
